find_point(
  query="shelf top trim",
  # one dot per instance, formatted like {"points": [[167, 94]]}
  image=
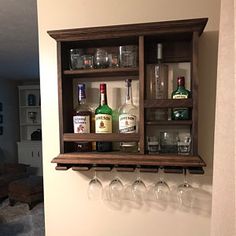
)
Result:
{"points": [[127, 30]]}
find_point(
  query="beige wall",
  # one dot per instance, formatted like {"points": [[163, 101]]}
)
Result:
{"points": [[67, 209]]}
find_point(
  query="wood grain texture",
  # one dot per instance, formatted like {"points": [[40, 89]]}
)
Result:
{"points": [[103, 32], [171, 103]]}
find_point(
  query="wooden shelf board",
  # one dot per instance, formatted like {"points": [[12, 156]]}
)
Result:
{"points": [[123, 159], [92, 137], [103, 72], [169, 122], [163, 103]]}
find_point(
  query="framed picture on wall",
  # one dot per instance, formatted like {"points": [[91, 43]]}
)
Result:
{"points": [[1, 119]]}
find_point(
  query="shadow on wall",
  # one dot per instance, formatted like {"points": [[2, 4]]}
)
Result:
{"points": [[208, 55]]}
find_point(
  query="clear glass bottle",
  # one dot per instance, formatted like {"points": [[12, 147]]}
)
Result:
{"points": [[103, 120], [159, 85], [180, 93], [82, 120], [128, 119]]}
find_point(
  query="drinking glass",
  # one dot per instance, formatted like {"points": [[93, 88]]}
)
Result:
{"points": [[32, 115], [153, 144], [185, 193], [138, 189], [184, 144], [116, 188], [161, 188], [95, 188]]}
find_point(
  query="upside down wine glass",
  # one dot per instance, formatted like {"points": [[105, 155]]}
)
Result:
{"points": [[95, 188], [138, 188], [185, 193], [161, 188], [116, 188]]}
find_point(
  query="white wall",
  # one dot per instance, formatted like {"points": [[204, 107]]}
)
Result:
{"points": [[67, 209], [9, 100]]}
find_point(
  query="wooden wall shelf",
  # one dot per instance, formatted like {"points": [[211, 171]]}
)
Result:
{"points": [[180, 41]]}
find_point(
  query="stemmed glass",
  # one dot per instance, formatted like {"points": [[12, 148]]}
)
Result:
{"points": [[95, 188], [185, 193], [116, 188], [138, 188], [161, 188]]}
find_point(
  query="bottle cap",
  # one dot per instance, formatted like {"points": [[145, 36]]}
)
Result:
{"points": [[81, 91], [102, 88], [181, 81]]}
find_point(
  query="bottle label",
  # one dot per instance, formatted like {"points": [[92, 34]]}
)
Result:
{"points": [[81, 124], [180, 96], [127, 123], [103, 123]]}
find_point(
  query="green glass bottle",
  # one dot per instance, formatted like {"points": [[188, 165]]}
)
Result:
{"points": [[103, 120], [180, 93]]}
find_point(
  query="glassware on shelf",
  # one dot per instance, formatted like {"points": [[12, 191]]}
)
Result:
{"points": [[87, 61], [152, 145], [76, 60], [113, 60], [95, 188], [32, 115], [184, 143], [128, 123], [161, 188], [168, 142], [128, 56], [101, 59]]}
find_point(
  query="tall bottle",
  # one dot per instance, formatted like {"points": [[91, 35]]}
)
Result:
{"points": [[82, 120], [180, 93], [159, 84], [128, 119], [103, 120]]}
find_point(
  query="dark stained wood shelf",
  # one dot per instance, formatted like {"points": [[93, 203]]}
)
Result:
{"points": [[180, 39], [123, 159], [84, 73], [171, 103], [92, 137], [169, 122]]}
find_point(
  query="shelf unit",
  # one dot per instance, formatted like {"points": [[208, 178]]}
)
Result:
{"points": [[180, 39], [29, 151]]}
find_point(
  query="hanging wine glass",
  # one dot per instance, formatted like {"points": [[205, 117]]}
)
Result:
{"points": [[138, 189], [185, 193], [116, 188], [95, 188], [161, 188]]}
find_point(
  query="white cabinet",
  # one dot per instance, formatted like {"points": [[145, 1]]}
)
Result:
{"points": [[30, 151]]}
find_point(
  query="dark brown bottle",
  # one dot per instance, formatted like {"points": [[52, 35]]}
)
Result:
{"points": [[82, 120]]}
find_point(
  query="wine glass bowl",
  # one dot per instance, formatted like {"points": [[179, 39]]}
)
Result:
{"points": [[161, 190], [139, 189], [185, 193], [95, 188], [116, 189]]}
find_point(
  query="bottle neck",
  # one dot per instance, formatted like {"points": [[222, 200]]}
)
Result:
{"points": [[129, 97], [181, 83], [81, 96], [103, 96]]}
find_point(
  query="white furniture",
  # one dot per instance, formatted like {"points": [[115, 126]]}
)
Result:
{"points": [[29, 151]]}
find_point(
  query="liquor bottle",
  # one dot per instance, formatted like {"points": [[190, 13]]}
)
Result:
{"points": [[103, 120], [128, 114], [82, 120], [159, 85], [180, 93]]}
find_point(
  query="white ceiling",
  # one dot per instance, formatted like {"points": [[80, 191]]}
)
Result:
{"points": [[18, 40]]}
